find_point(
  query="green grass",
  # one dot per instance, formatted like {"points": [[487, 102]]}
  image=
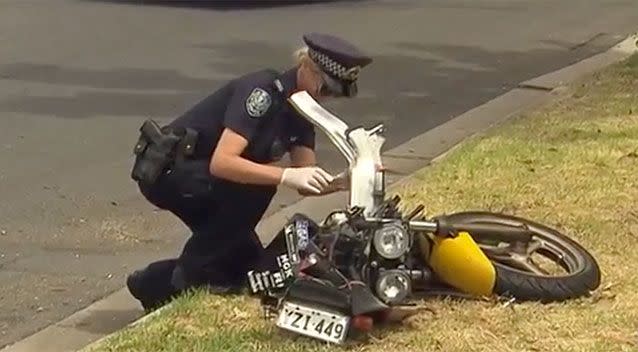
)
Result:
{"points": [[572, 164]]}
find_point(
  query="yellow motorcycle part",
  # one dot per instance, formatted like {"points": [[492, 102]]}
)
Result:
{"points": [[460, 263]]}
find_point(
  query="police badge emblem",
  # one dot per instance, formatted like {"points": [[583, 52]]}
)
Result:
{"points": [[258, 102]]}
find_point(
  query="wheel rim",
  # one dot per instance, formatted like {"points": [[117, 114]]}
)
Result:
{"points": [[521, 257], [545, 243]]}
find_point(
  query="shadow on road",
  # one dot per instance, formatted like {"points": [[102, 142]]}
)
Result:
{"points": [[226, 4]]}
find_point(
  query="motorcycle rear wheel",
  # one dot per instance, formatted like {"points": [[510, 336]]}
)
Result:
{"points": [[517, 275]]}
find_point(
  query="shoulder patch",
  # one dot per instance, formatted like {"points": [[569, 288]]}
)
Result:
{"points": [[258, 102]]}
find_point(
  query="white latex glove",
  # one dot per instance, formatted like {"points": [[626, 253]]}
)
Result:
{"points": [[311, 179]]}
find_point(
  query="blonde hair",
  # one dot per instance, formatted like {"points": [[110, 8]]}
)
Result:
{"points": [[302, 58]]}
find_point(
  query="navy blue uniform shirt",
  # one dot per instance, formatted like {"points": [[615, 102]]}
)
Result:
{"points": [[254, 107]]}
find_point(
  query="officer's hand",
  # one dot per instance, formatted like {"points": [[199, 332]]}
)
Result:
{"points": [[309, 179]]}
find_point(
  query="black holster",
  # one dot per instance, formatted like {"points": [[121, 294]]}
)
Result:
{"points": [[159, 149]]}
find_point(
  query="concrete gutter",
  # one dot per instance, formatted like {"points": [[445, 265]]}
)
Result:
{"points": [[119, 309]]}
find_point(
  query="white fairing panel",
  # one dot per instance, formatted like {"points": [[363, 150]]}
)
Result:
{"points": [[360, 147], [331, 125]]}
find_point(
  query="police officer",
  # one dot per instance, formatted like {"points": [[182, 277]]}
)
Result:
{"points": [[211, 167]]}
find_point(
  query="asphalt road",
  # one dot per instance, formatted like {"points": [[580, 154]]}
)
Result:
{"points": [[77, 77]]}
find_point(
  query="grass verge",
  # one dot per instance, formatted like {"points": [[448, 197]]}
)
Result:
{"points": [[572, 164]]}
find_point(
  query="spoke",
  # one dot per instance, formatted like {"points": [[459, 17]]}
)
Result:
{"points": [[534, 245], [494, 250], [524, 263], [517, 255], [533, 267]]}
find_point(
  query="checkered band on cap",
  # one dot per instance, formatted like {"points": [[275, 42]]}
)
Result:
{"points": [[334, 68]]}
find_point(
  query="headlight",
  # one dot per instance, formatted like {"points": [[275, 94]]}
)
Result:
{"points": [[391, 241], [393, 286]]}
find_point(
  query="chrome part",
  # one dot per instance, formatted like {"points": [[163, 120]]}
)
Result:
{"points": [[380, 221], [420, 275], [335, 219], [391, 241], [414, 213], [422, 226], [393, 286], [312, 259]]}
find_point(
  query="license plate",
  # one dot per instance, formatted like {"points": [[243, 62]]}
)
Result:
{"points": [[312, 322]]}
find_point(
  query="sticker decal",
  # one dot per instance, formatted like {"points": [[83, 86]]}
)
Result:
{"points": [[272, 280], [285, 266], [291, 243], [302, 234], [258, 102]]}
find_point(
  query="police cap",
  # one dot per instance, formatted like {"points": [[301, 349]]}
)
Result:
{"points": [[339, 61]]}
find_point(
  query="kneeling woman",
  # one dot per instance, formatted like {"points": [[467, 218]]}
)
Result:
{"points": [[224, 186]]}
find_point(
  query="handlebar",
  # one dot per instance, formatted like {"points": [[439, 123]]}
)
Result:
{"points": [[425, 226], [488, 231]]}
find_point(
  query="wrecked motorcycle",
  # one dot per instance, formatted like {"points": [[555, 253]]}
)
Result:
{"points": [[363, 262]]}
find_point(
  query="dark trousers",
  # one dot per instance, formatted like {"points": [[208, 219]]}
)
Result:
{"points": [[222, 217]]}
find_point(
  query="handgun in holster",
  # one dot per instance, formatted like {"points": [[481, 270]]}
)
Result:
{"points": [[158, 148]]}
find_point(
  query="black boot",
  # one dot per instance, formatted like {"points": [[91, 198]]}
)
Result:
{"points": [[134, 284], [152, 285]]}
